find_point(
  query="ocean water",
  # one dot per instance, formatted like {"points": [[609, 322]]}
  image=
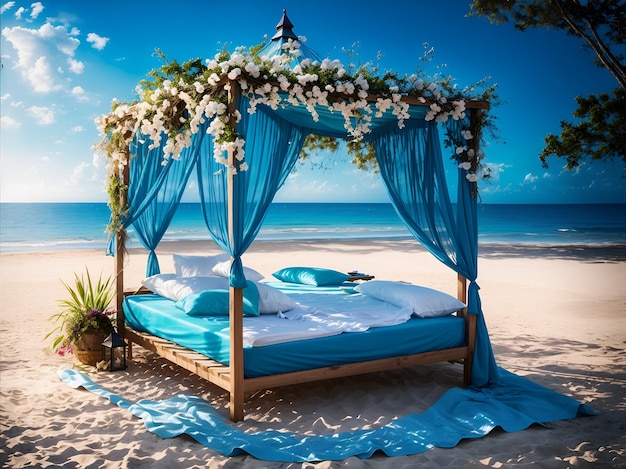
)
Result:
{"points": [[56, 226]]}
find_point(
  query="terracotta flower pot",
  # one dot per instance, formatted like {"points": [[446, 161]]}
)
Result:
{"points": [[88, 349]]}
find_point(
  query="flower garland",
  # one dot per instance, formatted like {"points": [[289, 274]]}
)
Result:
{"points": [[179, 98]]}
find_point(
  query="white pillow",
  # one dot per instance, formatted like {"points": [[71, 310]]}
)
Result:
{"points": [[193, 266], [424, 302], [175, 288], [223, 270], [272, 300]]}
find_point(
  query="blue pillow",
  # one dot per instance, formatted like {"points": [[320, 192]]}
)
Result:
{"points": [[216, 302], [310, 276]]}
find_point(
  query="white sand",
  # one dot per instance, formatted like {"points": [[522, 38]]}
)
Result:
{"points": [[555, 315]]}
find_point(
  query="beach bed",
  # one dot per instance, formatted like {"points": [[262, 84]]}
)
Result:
{"points": [[278, 351]]}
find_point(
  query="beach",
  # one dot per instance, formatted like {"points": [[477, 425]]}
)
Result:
{"points": [[555, 315]]}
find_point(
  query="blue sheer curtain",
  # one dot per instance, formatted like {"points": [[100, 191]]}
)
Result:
{"points": [[411, 166], [271, 150], [154, 192]]}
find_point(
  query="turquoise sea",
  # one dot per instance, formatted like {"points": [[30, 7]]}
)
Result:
{"points": [[55, 226]]}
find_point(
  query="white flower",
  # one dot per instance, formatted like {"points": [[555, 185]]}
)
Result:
{"points": [[467, 135], [472, 177], [466, 165], [234, 73], [253, 70], [362, 83]]}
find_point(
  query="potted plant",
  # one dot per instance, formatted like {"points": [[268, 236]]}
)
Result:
{"points": [[85, 320]]}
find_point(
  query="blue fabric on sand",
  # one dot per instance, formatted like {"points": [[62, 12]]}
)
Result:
{"points": [[458, 414]]}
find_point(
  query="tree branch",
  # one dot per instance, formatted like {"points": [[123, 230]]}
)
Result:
{"points": [[597, 45]]}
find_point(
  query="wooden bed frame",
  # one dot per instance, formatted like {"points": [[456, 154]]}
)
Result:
{"points": [[231, 379]]}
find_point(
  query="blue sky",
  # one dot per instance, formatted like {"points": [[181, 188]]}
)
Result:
{"points": [[65, 61]]}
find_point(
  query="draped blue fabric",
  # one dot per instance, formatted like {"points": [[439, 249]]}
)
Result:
{"points": [[271, 150], [155, 189], [457, 415], [412, 168], [484, 369]]}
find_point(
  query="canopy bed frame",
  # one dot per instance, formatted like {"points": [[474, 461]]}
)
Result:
{"points": [[231, 378]]}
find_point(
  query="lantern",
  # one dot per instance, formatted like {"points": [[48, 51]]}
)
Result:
{"points": [[114, 352]]}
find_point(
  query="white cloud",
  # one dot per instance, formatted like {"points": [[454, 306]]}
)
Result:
{"points": [[79, 93], [79, 173], [42, 115], [96, 160], [530, 179], [5, 96], [6, 6], [78, 128], [7, 122], [43, 54], [41, 76], [97, 42], [76, 66], [19, 12], [37, 8]]}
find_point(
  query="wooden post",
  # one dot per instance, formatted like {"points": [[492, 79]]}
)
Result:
{"points": [[470, 330], [120, 248], [236, 294], [470, 319], [461, 291]]}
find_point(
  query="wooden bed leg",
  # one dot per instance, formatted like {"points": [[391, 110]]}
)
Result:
{"points": [[470, 330], [236, 355], [470, 321]]}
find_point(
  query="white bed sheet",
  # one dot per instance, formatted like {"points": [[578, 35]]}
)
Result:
{"points": [[320, 316]]}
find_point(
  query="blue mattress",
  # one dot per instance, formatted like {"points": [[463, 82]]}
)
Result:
{"points": [[159, 316]]}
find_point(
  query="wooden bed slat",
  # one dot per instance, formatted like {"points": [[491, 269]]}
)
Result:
{"points": [[351, 369], [220, 375]]}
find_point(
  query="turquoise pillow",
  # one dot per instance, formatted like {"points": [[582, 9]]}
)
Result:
{"points": [[216, 302], [311, 276]]}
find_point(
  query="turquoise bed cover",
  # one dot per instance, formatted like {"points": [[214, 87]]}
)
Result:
{"points": [[160, 317]]}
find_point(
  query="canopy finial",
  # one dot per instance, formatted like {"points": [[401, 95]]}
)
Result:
{"points": [[284, 29]]}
